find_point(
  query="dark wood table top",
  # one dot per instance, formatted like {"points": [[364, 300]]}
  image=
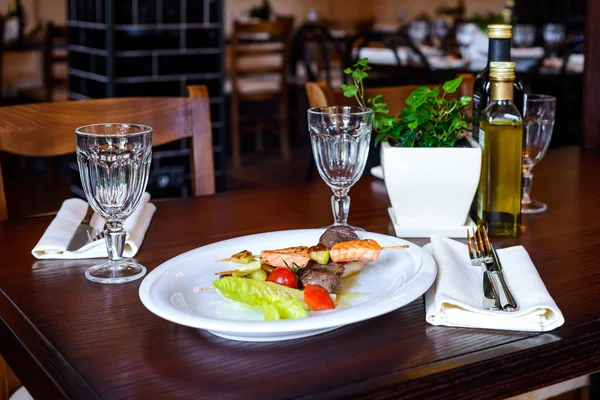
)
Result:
{"points": [[67, 337]]}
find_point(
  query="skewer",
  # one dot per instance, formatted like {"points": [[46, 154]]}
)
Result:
{"points": [[225, 272], [207, 288], [402, 246], [231, 259]]}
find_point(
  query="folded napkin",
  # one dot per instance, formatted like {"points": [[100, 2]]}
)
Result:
{"points": [[54, 241], [455, 299]]}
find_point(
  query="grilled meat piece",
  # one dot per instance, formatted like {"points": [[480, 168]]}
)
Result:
{"points": [[327, 276], [337, 234], [291, 255], [355, 250]]}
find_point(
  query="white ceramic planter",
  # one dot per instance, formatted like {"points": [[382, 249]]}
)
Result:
{"points": [[431, 186]]}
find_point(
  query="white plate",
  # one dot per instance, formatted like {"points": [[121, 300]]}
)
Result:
{"points": [[172, 290]]}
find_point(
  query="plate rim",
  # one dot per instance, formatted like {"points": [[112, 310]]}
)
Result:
{"points": [[282, 326]]}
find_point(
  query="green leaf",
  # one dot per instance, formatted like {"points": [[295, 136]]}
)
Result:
{"points": [[418, 97], [458, 123], [349, 90], [362, 62], [359, 74], [377, 99], [435, 92], [465, 100], [348, 71], [380, 108], [451, 86]]}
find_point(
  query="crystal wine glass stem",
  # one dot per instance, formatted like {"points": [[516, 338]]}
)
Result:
{"points": [[340, 203], [526, 183], [115, 240]]}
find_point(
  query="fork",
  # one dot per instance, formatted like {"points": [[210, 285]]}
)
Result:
{"points": [[96, 234], [492, 263], [490, 300]]}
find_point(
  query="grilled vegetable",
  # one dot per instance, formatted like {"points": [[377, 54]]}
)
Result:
{"points": [[319, 254], [243, 257], [242, 269], [259, 275]]}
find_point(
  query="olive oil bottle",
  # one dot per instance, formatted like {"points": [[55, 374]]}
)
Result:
{"points": [[501, 140]]}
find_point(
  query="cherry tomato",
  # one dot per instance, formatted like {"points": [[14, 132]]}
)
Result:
{"points": [[283, 276], [317, 298]]}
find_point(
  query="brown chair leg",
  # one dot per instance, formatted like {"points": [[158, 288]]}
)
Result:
{"points": [[8, 381], [235, 132], [258, 137], [285, 139]]}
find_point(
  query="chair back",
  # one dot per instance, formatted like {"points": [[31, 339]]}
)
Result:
{"points": [[259, 49], [317, 49], [55, 35], [48, 129], [320, 95], [400, 73]]}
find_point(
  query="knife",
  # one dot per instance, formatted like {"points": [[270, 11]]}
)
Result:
{"points": [[507, 301], [81, 237]]}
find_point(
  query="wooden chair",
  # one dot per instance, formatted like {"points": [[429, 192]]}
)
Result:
{"points": [[260, 82], [414, 72], [48, 129], [314, 46], [55, 79]]}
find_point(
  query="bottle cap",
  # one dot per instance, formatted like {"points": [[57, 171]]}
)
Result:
{"points": [[502, 70], [499, 31]]}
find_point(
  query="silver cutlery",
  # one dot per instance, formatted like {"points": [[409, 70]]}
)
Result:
{"points": [[492, 263], [490, 300], [81, 237]]}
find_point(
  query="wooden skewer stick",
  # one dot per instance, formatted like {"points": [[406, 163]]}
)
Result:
{"points": [[231, 259], [403, 246], [225, 272], [208, 288]]}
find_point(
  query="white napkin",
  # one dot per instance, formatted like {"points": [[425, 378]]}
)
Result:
{"points": [[455, 299], [54, 241]]}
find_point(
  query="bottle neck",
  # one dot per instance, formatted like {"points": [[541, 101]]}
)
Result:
{"points": [[502, 91], [499, 50]]}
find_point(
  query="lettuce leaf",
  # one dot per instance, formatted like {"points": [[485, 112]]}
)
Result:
{"points": [[272, 300]]}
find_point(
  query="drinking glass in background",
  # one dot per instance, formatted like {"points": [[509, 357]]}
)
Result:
{"points": [[114, 160], [553, 34], [439, 30], [340, 138], [465, 35], [418, 31], [538, 123], [524, 35]]}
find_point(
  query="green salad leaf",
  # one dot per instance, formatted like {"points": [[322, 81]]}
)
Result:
{"points": [[272, 300]]}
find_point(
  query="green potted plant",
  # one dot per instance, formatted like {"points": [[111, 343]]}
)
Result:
{"points": [[431, 165]]}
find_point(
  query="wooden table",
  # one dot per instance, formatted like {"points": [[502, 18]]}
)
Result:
{"points": [[66, 336]]}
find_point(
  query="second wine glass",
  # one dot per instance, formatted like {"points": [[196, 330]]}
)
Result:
{"points": [[340, 138]]}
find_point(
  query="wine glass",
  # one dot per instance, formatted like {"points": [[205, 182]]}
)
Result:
{"points": [[418, 31], [114, 160], [538, 123], [340, 138], [553, 34], [524, 35], [465, 35], [439, 30]]}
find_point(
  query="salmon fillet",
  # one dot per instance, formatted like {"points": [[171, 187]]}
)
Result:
{"points": [[292, 255], [355, 250]]}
